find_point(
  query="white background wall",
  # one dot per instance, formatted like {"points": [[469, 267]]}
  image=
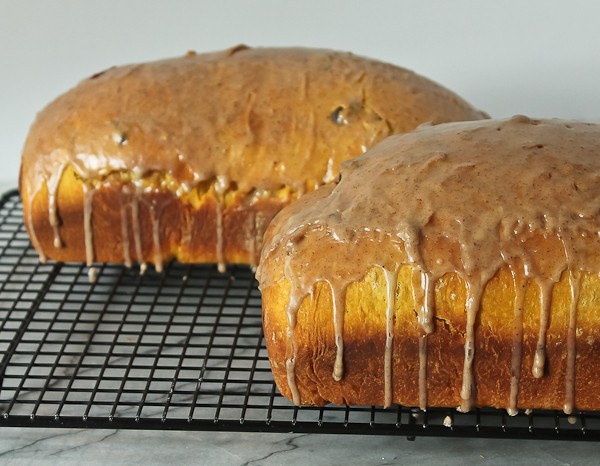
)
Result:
{"points": [[537, 57]]}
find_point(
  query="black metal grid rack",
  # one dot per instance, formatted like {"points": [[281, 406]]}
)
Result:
{"points": [[177, 350]]}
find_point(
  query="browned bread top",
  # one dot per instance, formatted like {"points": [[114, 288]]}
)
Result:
{"points": [[247, 121], [261, 117], [460, 197], [465, 198]]}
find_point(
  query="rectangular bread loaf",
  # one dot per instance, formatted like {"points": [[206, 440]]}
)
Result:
{"points": [[190, 158], [457, 265]]}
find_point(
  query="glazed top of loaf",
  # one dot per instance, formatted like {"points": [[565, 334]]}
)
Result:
{"points": [[261, 118], [465, 198], [459, 197]]}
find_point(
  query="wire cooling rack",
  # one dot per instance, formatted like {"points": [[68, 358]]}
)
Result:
{"points": [[178, 350]]}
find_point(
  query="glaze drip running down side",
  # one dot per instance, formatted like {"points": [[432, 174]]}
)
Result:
{"points": [[125, 227], [391, 280], [137, 232], [88, 232], [517, 344], [571, 349], [464, 198], [52, 185]]}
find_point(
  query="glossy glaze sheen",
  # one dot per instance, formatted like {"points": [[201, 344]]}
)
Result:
{"points": [[465, 198], [250, 121]]}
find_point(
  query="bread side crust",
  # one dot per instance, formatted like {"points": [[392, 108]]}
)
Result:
{"points": [[187, 224], [364, 344], [259, 119]]}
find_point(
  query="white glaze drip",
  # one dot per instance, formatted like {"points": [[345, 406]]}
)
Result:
{"points": [[474, 294], [125, 228], [423, 294], [221, 185], [92, 274], [158, 256], [517, 345], [391, 279], [137, 236], [411, 236], [338, 295], [423, 372], [571, 345], [539, 359], [426, 312], [219, 224], [88, 197], [52, 184]]}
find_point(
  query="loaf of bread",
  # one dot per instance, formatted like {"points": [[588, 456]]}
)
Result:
{"points": [[454, 266], [190, 158]]}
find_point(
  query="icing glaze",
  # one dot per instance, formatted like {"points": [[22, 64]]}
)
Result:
{"points": [[465, 198]]}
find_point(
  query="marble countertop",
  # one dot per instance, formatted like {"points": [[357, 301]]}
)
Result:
{"points": [[67, 446], [22, 446]]}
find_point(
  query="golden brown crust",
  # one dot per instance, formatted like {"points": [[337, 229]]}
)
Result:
{"points": [[187, 230], [256, 120], [364, 344], [508, 199]]}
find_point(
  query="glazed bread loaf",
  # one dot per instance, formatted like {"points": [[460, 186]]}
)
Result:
{"points": [[454, 266], [190, 158]]}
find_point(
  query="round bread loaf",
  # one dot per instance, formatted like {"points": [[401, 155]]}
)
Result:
{"points": [[190, 158], [456, 265]]}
